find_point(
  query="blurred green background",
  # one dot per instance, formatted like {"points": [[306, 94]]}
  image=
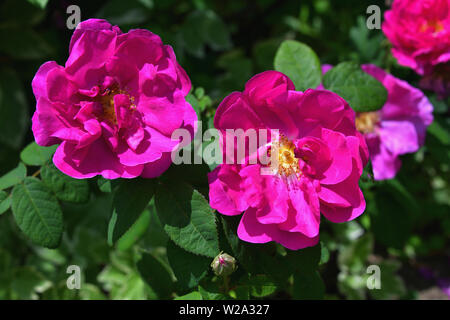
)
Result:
{"points": [[221, 44]]}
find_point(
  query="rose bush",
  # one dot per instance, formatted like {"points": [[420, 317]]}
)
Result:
{"points": [[200, 230]]}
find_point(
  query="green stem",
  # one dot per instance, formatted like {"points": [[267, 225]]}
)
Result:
{"points": [[226, 284]]}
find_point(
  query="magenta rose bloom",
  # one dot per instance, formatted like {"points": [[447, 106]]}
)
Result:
{"points": [[399, 127], [321, 156], [114, 105], [419, 31]]}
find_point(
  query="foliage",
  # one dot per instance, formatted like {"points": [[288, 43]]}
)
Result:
{"points": [[150, 239]]}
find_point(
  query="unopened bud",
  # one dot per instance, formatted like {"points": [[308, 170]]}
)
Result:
{"points": [[224, 264]]}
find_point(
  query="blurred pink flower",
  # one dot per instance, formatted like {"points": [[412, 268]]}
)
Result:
{"points": [[419, 31], [321, 158], [114, 105], [399, 127]]}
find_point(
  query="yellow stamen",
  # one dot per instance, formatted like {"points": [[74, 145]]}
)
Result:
{"points": [[287, 162], [366, 121], [107, 102], [435, 25]]}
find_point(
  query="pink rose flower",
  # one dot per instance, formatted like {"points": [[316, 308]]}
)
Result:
{"points": [[114, 105], [321, 158], [419, 31], [399, 127]]}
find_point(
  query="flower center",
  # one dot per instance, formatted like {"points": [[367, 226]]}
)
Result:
{"points": [[366, 121], [107, 102], [435, 25], [287, 162]]}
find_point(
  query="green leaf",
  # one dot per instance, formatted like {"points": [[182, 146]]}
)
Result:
{"points": [[260, 285], [308, 285], [64, 187], [264, 53], [353, 286], [195, 103], [156, 275], [391, 219], [24, 44], [39, 3], [91, 292], [362, 91], [215, 31], [13, 177], [368, 42], [25, 14], [198, 100], [402, 194], [195, 295], [155, 235], [131, 287], [13, 109], [130, 200], [204, 27], [187, 218], [120, 12], [300, 63], [192, 34], [188, 268], [240, 293], [258, 258], [37, 212], [439, 106], [90, 246], [36, 155], [324, 254], [104, 185], [211, 293], [239, 68], [5, 202], [441, 134], [307, 258], [194, 175], [241, 250], [27, 283]]}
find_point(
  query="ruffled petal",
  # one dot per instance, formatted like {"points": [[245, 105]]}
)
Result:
{"points": [[225, 194], [399, 136], [334, 199], [251, 230], [89, 166]]}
